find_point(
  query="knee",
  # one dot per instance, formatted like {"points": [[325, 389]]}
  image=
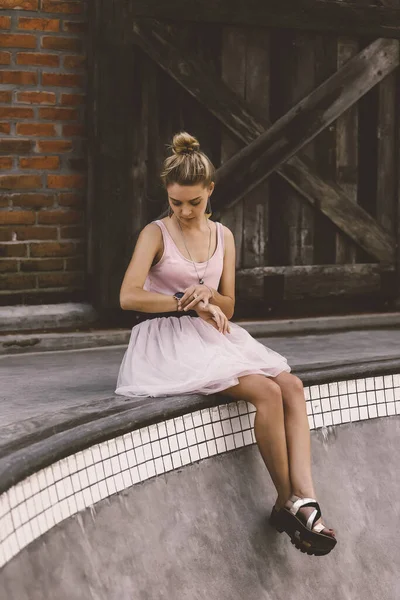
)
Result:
{"points": [[267, 394], [296, 384]]}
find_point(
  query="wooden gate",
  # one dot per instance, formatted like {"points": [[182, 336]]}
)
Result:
{"points": [[297, 104]]}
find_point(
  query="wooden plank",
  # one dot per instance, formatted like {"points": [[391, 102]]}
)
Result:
{"points": [[314, 281], [347, 152], [257, 94], [386, 159], [238, 118], [297, 79], [233, 73], [311, 15]]}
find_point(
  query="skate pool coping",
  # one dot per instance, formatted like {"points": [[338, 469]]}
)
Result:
{"points": [[71, 469]]}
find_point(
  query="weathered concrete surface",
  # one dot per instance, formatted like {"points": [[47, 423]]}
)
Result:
{"points": [[35, 384], [201, 533]]}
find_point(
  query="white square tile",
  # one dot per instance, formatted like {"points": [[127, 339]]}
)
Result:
{"points": [[87, 496], [173, 443], [224, 411], [92, 474], [214, 414], [247, 437], [238, 439], [336, 417], [345, 415], [371, 398], [179, 424], [188, 421], [233, 409], [205, 413], [140, 454], [194, 453], [324, 390], [111, 485], [382, 411], [353, 400], [200, 435], [106, 468], [397, 394], [378, 383], [181, 438], [311, 421], [123, 461], [185, 456], [230, 443], [68, 486], [314, 392], [147, 452], [208, 432], [96, 453], [242, 407], [45, 496], [316, 406], [362, 398], [309, 407], [151, 468], [96, 496], [53, 494], [103, 490], [252, 417], [342, 387], [12, 497], [372, 411], [162, 430], [380, 395], [363, 412], [221, 445], [80, 501], [120, 445], [159, 466], [143, 472], [145, 435], [212, 447], [35, 524], [168, 462], [335, 402], [307, 393], [369, 383], [35, 483], [112, 447], [13, 544], [333, 389], [197, 418], [354, 414], [42, 484], [326, 407], [136, 438], [396, 380], [153, 432], [318, 420], [134, 475], [176, 460], [42, 522], [164, 446], [351, 386], [344, 401], [119, 482], [389, 395], [388, 380], [236, 426], [104, 450], [391, 408], [203, 450], [361, 385], [7, 526], [4, 505], [244, 422], [218, 432], [128, 441], [226, 426], [191, 437]]}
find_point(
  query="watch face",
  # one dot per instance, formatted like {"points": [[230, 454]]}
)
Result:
{"points": [[179, 294]]}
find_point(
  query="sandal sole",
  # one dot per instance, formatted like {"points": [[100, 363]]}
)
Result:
{"points": [[309, 542]]}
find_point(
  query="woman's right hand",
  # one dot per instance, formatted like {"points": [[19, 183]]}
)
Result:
{"points": [[213, 314]]}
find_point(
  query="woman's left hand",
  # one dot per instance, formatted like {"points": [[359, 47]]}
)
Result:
{"points": [[193, 295]]}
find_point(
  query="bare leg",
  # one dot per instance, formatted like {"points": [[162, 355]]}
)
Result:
{"points": [[269, 427], [298, 438]]}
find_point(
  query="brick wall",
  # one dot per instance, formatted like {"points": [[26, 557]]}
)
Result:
{"points": [[42, 151]]}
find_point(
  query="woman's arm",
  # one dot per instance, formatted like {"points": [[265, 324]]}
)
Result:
{"points": [[225, 296], [132, 295]]}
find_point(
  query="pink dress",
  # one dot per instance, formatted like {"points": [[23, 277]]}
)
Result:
{"points": [[185, 355]]}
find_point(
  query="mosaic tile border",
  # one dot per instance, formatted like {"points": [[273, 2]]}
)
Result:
{"points": [[39, 502]]}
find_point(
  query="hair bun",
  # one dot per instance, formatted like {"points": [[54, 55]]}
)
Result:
{"points": [[184, 143]]}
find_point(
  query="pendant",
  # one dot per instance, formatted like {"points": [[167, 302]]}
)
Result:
{"points": [[201, 281]]}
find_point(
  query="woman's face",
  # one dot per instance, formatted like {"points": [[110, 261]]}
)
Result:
{"points": [[189, 201]]}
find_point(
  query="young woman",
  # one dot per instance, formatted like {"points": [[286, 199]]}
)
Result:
{"points": [[182, 278]]}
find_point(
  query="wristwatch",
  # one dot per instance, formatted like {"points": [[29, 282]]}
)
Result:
{"points": [[179, 295]]}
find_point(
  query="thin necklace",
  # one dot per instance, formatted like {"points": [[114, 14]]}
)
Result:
{"points": [[201, 279]]}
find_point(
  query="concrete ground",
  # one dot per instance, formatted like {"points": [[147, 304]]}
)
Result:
{"points": [[201, 532], [33, 384]]}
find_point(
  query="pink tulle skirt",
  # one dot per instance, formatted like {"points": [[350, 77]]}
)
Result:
{"points": [[168, 356]]}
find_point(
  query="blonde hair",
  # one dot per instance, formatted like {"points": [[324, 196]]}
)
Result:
{"points": [[187, 165]]}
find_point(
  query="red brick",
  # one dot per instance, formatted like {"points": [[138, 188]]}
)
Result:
{"points": [[46, 129], [5, 128], [59, 114], [18, 77], [36, 97], [17, 40], [40, 249], [55, 42], [71, 199], [12, 250], [65, 181], [19, 4], [53, 146], [29, 24], [73, 130], [72, 232], [49, 280], [42, 264], [70, 8], [6, 97], [59, 217], [5, 58], [5, 22], [28, 233], [8, 265], [6, 162], [62, 79], [38, 59], [15, 146], [17, 217], [16, 113], [17, 282], [40, 162], [20, 182], [73, 99], [75, 62], [31, 200], [76, 26]]}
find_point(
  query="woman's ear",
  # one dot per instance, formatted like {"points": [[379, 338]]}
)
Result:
{"points": [[211, 188]]}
